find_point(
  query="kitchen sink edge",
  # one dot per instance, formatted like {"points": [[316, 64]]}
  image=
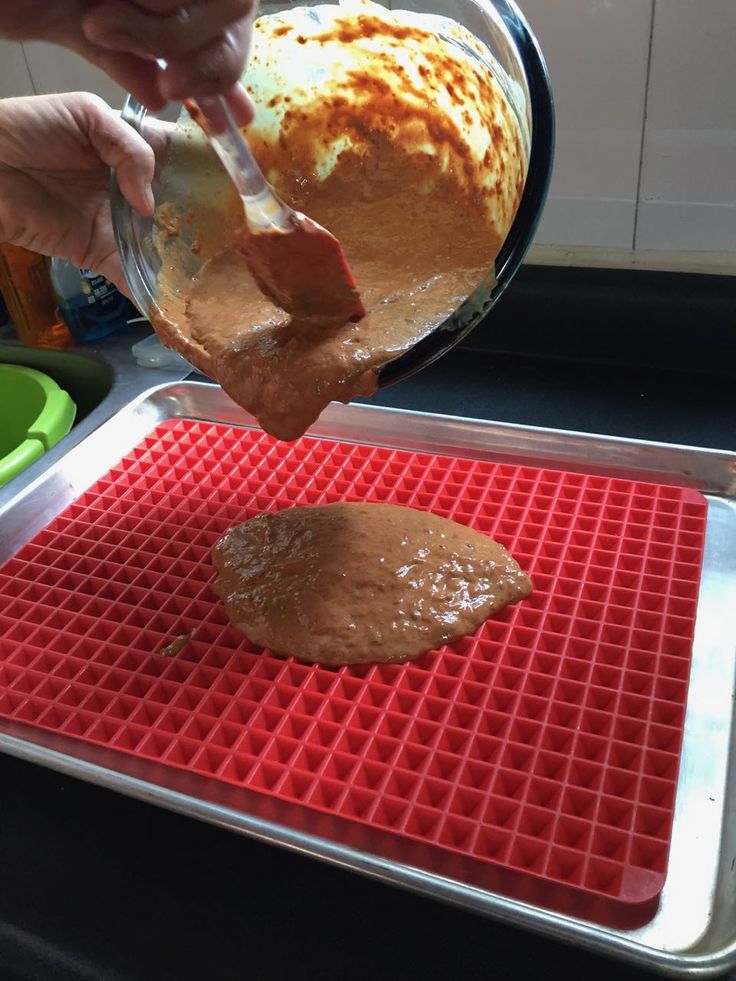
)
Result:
{"points": [[102, 378]]}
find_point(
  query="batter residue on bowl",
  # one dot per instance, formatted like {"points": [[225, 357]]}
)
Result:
{"points": [[402, 143], [352, 582]]}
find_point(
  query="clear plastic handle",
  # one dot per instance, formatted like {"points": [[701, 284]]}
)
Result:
{"points": [[264, 209]]}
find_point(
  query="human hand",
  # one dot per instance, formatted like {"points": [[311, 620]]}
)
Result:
{"points": [[56, 152], [204, 43]]}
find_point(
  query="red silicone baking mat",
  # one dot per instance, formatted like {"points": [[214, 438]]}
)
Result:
{"points": [[546, 744]]}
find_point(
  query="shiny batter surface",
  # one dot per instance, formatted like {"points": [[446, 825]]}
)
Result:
{"points": [[410, 276], [352, 582], [408, 152]]}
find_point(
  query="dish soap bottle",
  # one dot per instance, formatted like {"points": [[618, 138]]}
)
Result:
{"points": [[29, 298], [89, 304]]}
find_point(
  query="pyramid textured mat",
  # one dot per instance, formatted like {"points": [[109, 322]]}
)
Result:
{"points": [[547, 743]]}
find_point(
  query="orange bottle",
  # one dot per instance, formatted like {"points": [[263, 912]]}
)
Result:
{"points": [[29, 297]]}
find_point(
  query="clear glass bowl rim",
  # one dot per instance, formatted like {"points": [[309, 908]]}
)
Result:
{"points": [[512, 252]]}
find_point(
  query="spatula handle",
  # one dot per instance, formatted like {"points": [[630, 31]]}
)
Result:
{"points": [[264, 209]]}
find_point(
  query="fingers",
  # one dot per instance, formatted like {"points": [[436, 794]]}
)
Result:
{"points": [[145, 80], [120, 147], [137, 75], [159, 29], [213, 70], [204, 42], [158, 134], [204, 45], [241, 106], [208, 111]]}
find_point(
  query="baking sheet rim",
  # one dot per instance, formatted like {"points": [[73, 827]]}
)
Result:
{"points": [[707, 470]]}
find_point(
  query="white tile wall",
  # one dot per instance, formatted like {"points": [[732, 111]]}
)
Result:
{"points": [[688, 181], [15, 77], [597, 53], [57, 70], [664, 183]]}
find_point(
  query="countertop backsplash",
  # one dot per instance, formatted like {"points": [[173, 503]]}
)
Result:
{"points": [[645, 170]]}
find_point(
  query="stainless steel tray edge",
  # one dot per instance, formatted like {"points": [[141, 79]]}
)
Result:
{"points": [[711, 963], [694, 931]]}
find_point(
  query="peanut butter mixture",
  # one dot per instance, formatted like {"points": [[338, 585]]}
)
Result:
{"points": [[408, 151], [413, 264], [352, 582]]}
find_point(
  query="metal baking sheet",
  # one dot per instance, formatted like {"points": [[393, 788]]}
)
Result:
{"points": [[694, 929]]}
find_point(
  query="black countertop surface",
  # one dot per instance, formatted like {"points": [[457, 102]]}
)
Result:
{"points": [[96, 886]]}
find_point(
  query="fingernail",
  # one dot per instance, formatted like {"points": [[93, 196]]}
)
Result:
{"points": [[149, 198]]}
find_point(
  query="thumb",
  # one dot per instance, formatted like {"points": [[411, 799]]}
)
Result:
{"points": [[120, 147]]}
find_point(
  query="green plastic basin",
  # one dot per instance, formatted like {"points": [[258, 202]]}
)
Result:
{"points": [[34, 415]]}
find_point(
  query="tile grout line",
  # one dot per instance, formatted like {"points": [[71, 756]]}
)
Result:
{"points": [[644, 124], [28, 68]]}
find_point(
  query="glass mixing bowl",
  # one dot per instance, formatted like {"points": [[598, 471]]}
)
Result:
{"points": [[520, 69]]}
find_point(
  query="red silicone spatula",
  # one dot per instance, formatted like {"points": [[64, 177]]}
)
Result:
{"points": [[296, 263]]}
